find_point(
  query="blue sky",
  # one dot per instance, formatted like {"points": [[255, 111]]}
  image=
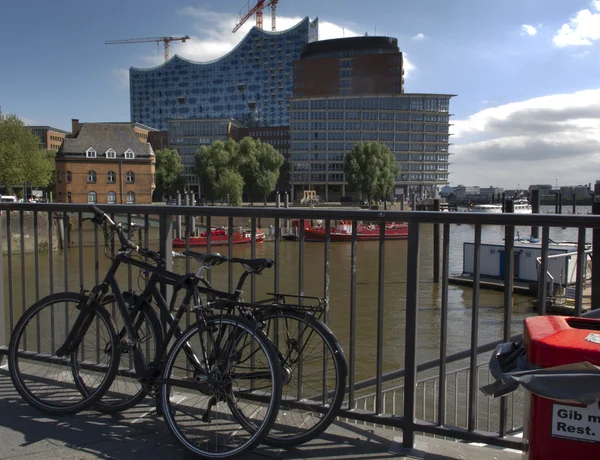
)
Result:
{"points": [[526, 72]]}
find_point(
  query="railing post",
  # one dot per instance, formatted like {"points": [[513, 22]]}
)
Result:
{"points": [[596, 250], [574, 203], [436, 244], [178, 216], [542, 283], [166, 249], [2, 303], [410, 346], [535, 208]]}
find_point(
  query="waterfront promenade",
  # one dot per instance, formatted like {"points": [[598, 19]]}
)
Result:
{"points": [[140, 434]]}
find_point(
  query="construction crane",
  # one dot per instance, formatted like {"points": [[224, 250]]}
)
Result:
{"points": [[247, 12], [165, 40]]}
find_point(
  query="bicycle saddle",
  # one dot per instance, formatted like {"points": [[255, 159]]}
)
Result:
{"points": [[211, 259], [253, 265]]}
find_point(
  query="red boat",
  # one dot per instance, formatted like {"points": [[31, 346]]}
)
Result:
{"points": [[342, 231], [219, 237]]}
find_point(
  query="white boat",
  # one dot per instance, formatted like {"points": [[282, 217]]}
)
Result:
{"points": [[521, 207]]}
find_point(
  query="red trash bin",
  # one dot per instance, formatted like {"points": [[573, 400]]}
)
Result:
{"points": [[556, 430]]}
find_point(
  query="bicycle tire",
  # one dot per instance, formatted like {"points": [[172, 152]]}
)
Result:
{"points": [[315, 419], [174, 404], [74, 401], [126, 391]]}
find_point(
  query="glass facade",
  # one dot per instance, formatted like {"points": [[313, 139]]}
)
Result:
{"points": [[187, 136], [415, 127], [252, 83]]}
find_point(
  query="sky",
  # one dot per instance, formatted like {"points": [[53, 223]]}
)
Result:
{"points": [[526, 73]]}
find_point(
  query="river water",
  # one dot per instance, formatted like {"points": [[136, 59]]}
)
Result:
{"points": [[460, 298]]}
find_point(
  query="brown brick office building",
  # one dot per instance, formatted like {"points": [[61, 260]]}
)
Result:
{"points": [[357, 65], [105, 163]]}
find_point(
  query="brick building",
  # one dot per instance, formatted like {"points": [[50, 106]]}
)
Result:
{"points": [[50, 138], [105, 163]]}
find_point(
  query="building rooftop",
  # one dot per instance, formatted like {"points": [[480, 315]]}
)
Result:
{"points": [[341, 46], [104, 136], [49, 128]]}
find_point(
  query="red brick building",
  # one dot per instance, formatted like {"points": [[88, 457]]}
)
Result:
{"points": [[357, 65], [105, 163]]}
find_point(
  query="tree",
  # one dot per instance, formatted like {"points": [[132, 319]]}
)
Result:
{"points": [[22, 161], [371, 168], [212, 162], [230, 186], [259, 164], [169, 173]]}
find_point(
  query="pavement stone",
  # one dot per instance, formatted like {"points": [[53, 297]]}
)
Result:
{"points": [[25, 433]]}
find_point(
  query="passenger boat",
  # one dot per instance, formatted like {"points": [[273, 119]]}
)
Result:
{"points": [[219, 237], [342, 231], [521, 207]]}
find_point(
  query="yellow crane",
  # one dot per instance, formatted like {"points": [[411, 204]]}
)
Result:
{"points": [[164, 40]]}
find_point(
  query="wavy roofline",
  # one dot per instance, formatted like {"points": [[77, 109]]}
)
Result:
{"points": [[262, 31]]}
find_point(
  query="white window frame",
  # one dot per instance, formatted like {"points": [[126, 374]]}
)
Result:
{"points": [[110, 153], [129, 154], [108, 194], [130, 194], [127, 175], [95, 195], [108, 181], [90, 153]]}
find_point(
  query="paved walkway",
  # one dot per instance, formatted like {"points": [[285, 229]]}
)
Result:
{"points": [[26, 433]]}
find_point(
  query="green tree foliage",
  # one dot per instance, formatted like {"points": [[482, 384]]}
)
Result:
{"points": [[169, 173], [22, 161], [229, 186], [259, 165], [371, 168], [211, 163]]}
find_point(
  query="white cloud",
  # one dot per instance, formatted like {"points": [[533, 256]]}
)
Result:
{"points": [[418, 37], [529, 30], [29, 121], [582, 29], [212, 37], [530, 141], [121, 78]]}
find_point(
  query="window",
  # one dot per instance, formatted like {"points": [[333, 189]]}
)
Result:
{"points": [[111, 177], [59, 177], [91, 176], [111, 198], [130, 197], [91, 197], [69, 200], [130, 177], [110, 153], [129, 155], [69, 177], [90, 153]]}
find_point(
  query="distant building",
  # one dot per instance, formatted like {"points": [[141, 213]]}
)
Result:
{"points": [[580, 191], [462, 192], [105, 163], [188, 135], [446, 191], [490, 192], [348, 91], [158, 140], [50, 138], [251, 83], [545, 189]]}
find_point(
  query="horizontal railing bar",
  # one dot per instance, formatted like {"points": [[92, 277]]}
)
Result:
{"points": [[550, 220], [427, 365]]}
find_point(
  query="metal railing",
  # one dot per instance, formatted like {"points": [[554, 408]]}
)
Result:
{"points": [[437, 397]]}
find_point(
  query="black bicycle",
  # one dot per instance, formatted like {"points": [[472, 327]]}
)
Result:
{"points": [[200, 383]]}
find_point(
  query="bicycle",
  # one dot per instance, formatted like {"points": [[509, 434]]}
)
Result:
{"points": [[211, 363], [306, 348]]}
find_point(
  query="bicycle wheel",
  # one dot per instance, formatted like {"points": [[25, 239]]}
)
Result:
{"points": [[47, 381], [314, 376], [227, 361], [126, 390]]}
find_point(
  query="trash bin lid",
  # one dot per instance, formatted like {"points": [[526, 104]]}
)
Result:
{"points": [[556, 340]]}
